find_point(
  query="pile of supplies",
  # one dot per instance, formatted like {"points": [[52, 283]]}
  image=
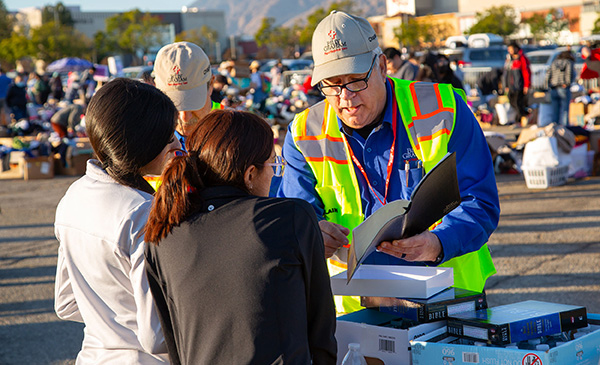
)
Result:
{"points": [[456, 326]]}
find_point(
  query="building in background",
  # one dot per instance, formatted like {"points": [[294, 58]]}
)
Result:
{"points": [[460, 15], [91, 22]]}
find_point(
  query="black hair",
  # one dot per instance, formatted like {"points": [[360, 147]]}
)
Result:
{"points": [[129, 123], [391, 52]]}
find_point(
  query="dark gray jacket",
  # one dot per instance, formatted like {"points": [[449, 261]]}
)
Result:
{"points": [[560, 73], [244, 281]]}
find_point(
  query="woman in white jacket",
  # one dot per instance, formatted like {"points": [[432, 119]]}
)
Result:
{"points": [[100, 277]]}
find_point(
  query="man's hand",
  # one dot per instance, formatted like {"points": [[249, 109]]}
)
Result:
{"points": [[422, 247], [334, 236], [525, 90]]}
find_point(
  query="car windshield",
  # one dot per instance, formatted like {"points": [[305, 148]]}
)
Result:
{"points": [[488, 54], [538, 59]]}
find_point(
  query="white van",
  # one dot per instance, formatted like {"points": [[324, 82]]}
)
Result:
{"points": [[482, 40]]}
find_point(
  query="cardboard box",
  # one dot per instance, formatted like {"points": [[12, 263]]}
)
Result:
{"points": [[381, 344], [14, 173], [35, 168], [76, 165], [580, 351], [594, 140], [577, 112], [394, 281]]}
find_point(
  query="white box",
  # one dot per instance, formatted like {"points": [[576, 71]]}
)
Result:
{"points": [[419, 282], [584, 350], [388, 344]]}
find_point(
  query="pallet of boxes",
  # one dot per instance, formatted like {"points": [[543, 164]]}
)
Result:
{"points": [[72, 159], [25, 158], [32, 158]]}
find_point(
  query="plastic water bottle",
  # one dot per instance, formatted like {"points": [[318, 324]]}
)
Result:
{"points": [[354, 356]]}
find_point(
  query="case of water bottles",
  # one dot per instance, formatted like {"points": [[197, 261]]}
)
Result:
{"points": [[581, 347]]}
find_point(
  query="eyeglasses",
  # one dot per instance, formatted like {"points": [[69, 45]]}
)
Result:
{"points": [[278, 165], [353, 86]]}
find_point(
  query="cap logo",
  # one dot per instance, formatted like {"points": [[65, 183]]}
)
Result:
{"points": [[177, 79], [334, 45]]}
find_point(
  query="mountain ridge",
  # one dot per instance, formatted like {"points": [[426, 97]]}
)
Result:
{"points": [[245, 18]]}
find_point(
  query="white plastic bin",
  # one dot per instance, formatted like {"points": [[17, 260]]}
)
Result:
{"points": [[543, 177]]}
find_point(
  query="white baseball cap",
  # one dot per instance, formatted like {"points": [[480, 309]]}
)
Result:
{"points": [[342, 44], [182, 71]]}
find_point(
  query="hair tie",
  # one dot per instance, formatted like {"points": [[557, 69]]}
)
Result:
{"points": [[192, 157]]}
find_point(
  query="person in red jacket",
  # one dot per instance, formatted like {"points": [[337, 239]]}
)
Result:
{"points": [[517, 79], [591, 67]]}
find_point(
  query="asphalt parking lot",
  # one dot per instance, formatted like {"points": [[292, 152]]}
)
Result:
{"points": [[547, 247]]}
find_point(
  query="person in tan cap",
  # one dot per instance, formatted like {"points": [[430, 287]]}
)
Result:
{"points": [[182, 71], [370, 142], [258, 83]]}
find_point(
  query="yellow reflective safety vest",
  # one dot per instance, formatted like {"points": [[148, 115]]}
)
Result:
{"points": [[153, 180], [428, 115]]}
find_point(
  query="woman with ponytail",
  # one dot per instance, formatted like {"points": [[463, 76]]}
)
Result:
{"points": [[237, 277], [100, 276]]}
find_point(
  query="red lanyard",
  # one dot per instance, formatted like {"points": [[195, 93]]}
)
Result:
{"points": [[391, 160]]}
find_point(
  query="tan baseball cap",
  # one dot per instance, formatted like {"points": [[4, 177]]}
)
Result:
{"points": [[182, 71], [342, 44]]}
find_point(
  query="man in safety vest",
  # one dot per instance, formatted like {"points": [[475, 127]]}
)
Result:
{"points": [[370, 142], [182, 71]]}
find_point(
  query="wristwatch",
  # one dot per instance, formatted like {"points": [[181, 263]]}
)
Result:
{"points": [[439, 258]]}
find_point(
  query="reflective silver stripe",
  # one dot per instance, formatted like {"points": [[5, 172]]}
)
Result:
{"points": [[426, 97], [315, 119], [432, 125], [323, 147], [428, 103]]}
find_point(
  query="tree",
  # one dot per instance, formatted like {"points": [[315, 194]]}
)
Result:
{"points": [[414, 32], [6, 24], [104, 46], [501, 20], [15, 47], [265, 32], [205, 37], [286, 40], [54, 41], [133, 31], [548, 25], [58, 14], [596, 29], [281, 40]]}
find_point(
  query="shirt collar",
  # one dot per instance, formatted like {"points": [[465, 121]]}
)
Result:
{"points": [[216, 196], [181, 139], [95, 171]]}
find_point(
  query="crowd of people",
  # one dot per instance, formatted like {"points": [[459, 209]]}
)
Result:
{"points": [[23, 97], [190, 240]]}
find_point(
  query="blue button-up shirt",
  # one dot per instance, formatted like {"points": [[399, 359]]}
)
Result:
{"points": [[463, 230]]}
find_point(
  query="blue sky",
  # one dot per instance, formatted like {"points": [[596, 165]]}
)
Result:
{"points": [[105, 5]]}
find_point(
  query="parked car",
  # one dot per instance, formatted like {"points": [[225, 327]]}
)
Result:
{"points": [[474, 62], [291, 64]]}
